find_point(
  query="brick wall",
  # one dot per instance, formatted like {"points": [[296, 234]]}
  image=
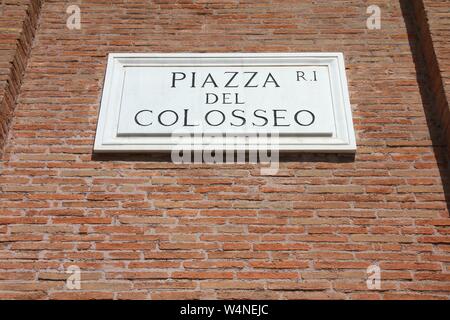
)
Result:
{"points": [[438, 18], [432, 22], [438, 14], [18, 20], [139, 226]]}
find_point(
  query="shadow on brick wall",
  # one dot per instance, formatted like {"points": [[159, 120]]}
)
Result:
{"points": [[283, 157], [423, 54]]}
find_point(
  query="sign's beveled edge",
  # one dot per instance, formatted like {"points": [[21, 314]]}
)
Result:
{"points": [[338, 146]]}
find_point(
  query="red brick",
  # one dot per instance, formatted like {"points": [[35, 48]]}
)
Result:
{"points": [[142, 227]]}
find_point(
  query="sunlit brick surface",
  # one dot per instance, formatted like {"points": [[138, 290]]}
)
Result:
{"points": [[140, 226]]}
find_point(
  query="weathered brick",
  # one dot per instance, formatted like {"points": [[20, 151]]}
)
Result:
{"points": [[142, 227]]}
